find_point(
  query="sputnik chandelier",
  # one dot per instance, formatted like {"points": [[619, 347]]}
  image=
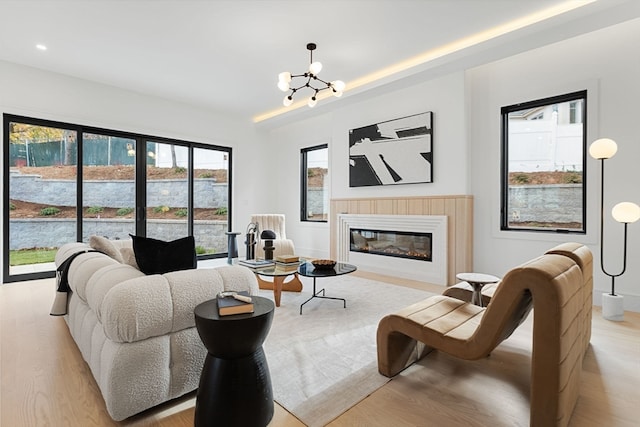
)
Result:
{"points": [[311, 76]]}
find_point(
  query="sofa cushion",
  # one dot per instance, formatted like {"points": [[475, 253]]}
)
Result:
{"points": [[158, 257], [137, 309], [105, 246], [82, 269], [105, 278], [190, 288]]}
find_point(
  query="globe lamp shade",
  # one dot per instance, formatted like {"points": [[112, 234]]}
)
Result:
{"points": [[603, 148], [626, 212]]}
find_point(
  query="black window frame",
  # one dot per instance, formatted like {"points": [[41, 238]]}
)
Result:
{"points": [[304, 182], [141, 140], [504, 161]]}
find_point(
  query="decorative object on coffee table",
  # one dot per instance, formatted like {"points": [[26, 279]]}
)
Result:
{"points": [[235, 385], [268, 236], [275, 223], [308, 269], [253, 230], [323, 264]]}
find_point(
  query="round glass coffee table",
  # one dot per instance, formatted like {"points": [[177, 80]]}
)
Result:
{"points": [[307, 269], [277, 284]]}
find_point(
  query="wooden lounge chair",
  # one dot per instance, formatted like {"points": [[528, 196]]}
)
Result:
{"points": [[552, 283]]}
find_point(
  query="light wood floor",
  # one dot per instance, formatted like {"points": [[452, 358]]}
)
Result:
{"points": [[45, 382]]}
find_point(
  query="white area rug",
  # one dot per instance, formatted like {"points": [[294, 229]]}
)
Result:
{"points": [[324, 361]]}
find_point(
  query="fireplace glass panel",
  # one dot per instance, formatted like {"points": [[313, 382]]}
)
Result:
{"points": [[400, 244]]}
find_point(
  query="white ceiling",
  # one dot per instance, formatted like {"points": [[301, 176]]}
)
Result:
{"points": [[225, 55]]}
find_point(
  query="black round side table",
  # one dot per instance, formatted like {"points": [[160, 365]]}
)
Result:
{"points": [[235, 385]]}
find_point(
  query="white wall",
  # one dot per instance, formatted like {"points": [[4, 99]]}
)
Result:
{"points": [[443, 96], [310, 239], [606, 64], [35, 93]]}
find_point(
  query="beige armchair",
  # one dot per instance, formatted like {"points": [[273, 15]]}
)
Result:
{"points": [[275, 223]]}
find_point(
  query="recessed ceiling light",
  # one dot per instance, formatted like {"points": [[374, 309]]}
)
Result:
{"points": [[41, 47]]}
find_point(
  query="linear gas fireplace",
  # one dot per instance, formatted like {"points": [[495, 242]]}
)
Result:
{"points": [[400, 244], [416, 248]]}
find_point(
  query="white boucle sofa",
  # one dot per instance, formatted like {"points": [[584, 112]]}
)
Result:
{"points": [[137, 332]]}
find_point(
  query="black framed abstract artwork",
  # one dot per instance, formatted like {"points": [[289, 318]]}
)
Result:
{"points": [[398, 151]]}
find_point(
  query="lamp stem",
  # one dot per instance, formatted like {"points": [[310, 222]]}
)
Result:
{"points": [[602, 218], [624, 256], [613, 286]]}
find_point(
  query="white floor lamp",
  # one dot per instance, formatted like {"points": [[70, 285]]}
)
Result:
{"points": [[626, 213]]}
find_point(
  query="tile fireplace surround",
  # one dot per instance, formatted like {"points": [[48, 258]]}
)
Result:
{"points": [[457, 209], [434, 271]]}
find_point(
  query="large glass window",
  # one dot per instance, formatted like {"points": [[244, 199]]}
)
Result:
{"points": [[210, 200], [108, 186], [314, 198], [168, 191], [66, 182], [543, 164], [40, 195]]}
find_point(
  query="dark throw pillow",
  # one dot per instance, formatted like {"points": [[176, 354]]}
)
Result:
{"points": [[158, 257]]}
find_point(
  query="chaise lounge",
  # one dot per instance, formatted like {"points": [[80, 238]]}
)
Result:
{"points": [[554, 285]]}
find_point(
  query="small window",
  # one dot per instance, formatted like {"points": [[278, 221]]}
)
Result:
{"points": [[314, 183], [543, 165]]}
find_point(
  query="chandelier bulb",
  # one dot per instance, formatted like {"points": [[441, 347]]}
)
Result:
{"points": [[283, 85], [315, 68], [284, 77], [338, 85], [287, 101], [312, 102]]}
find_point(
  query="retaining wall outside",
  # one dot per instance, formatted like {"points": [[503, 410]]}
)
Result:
{"points": [[52, 233], [117, 194], [559, 203]]}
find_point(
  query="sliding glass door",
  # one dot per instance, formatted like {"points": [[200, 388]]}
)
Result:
{"points": [[167, 201], [64, 183], [108, 186], [40, 195], [210, 200]]}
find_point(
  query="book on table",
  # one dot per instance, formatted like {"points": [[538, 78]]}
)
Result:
{"points": [[256, 263], [287, 259], [228, 305], [286, 267]]}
